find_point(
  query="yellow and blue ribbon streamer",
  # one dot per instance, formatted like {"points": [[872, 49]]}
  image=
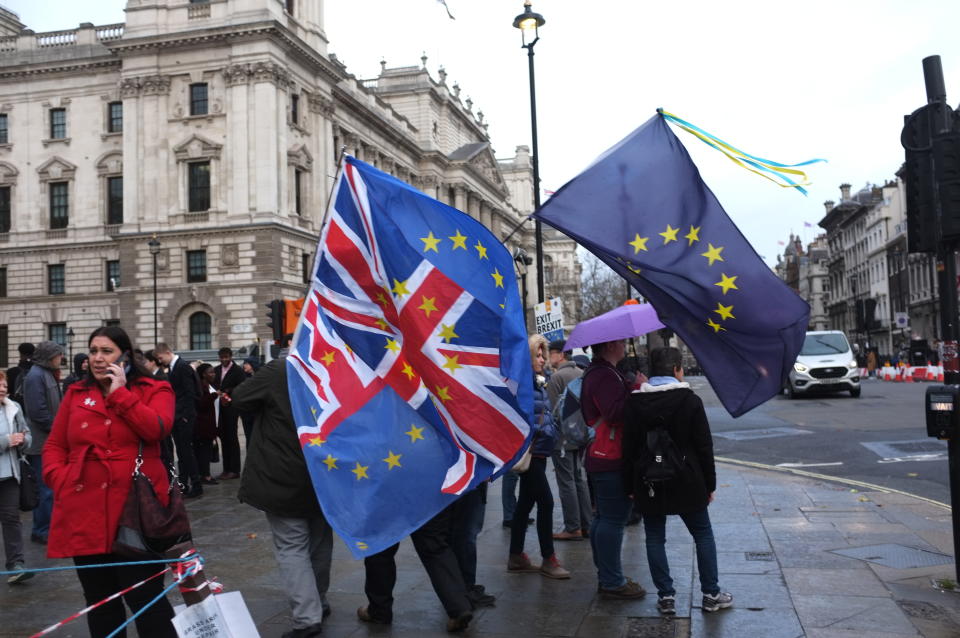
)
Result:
{"points": [[781, 173]]}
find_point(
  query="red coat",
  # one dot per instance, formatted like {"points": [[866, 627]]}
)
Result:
{"points": [[89, 457]]}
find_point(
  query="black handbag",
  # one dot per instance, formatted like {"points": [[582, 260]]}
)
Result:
{"points": [[29, 486], [147, 529]]}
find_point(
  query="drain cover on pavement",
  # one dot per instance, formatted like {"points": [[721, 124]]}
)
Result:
{"points": [[897, 556], [759, 555], [657, 628], [766, 433]]}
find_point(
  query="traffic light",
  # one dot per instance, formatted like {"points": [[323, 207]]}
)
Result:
{"points": [[918, 177], [946, 159], [291, 314], [275, 318]]}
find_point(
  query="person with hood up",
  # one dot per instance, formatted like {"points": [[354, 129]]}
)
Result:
{"points": [[41, 396], [666, 401], [80, 364]]}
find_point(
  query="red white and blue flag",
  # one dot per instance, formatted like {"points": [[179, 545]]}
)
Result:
{"points": [[409, 374]]}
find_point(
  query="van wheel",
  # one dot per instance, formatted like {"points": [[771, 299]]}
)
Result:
{"points": [[855, 393], [789, 390]]}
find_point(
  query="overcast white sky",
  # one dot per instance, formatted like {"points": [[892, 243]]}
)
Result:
{"points": [[785, 81]]}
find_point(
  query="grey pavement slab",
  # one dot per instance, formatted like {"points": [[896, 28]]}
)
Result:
{"points": [[776, 538]]}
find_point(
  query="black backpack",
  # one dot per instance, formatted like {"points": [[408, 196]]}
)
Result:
{"points": [[17, 392], [660, 459]]}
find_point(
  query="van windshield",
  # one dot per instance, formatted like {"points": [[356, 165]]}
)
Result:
{"points": [[824, 344]]}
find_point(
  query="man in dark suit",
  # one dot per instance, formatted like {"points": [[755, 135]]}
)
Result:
{"points": [[183, 379], [228, 375]]}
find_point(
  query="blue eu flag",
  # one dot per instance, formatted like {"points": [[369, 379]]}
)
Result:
{"points": [[643, 209]]}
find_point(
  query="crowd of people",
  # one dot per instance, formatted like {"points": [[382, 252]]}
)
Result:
{"points": [[119, 406]]}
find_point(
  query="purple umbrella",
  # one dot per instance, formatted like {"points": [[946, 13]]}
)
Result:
{"points": [[624, 322]]}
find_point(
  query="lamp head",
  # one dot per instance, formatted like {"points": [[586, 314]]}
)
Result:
{"points": [[529, 24]]}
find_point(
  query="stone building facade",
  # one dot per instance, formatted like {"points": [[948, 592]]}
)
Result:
{"points": [[215, 129]]}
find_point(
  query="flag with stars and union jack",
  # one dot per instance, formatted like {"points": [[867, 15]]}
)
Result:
{"points": [[409, 373], [643, 209]]}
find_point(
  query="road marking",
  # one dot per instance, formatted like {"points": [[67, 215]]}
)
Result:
{"points": [[808, 464], [827, 477], [915, 457]]}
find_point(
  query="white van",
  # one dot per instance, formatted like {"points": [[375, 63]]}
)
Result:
{"points": [[825, 364]]}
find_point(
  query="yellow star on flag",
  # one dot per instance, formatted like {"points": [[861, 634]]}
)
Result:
{"points": [[362, 545], [415, 433], [400, 288], [317, 441], [670, 234], [392, 460], [693, 235], [408, 370], [430, 243], [452, 363], [716, 326], [381, 323], [459, 241], [381, 298], [633, 268], [481, 250], [330, 462], [713, 253], [392, 345], [428, 305], [725, 312], [497, 277], [639, 243], [327, 358], [727, 282], [443, 393], [361, 471], [447, 332]]}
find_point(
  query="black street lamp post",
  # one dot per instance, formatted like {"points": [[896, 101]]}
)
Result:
{"points": [[70, 335], [154, 245], [529, 24]]}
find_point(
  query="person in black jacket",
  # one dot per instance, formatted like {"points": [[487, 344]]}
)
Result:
{"points": [[666, 401], [227, 376], [186, 389], [276, 482]]}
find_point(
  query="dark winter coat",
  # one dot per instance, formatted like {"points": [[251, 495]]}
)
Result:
{"points": [[77, 372], [89, 458], [544, 430], [186, 387], [686, 421], [275, 477], [41, 396]]}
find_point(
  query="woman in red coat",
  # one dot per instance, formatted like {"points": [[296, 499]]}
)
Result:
{"points": [[88, 460]]}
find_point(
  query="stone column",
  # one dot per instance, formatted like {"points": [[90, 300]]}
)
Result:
{"points": [[239, 195]]}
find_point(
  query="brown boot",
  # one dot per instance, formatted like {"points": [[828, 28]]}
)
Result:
{"points": [[568, 536], [520, 563], [552, 568]]}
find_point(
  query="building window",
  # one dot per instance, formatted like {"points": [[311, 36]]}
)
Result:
{"points": [[58, 124], [305, 264], [3, 281], [200, 331], [113, 274], [298, 191], [290, 6], [111, 323], [57, 333], [4, 346], [196, 266], [115, 117], [115, 200], [198, 98], [55, 279], [295, 109], [4, 133], [198, 186], [4, 209], [59, 205]]}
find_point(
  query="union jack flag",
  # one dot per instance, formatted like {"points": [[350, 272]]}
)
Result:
{"points": [[409, 373]]}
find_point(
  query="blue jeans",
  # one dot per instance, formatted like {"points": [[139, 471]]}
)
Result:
{"points": [[698, 524], [606, 531], [466, 526], [41, 515], [508, 495]]}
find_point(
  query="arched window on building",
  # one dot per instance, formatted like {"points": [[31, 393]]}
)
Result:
{"points": [[200, 331]]}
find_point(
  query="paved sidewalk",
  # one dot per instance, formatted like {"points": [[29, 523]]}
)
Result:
{"points": [[778, 537]]}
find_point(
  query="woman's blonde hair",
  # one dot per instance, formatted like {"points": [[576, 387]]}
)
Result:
{"points": [[538, 343]]}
